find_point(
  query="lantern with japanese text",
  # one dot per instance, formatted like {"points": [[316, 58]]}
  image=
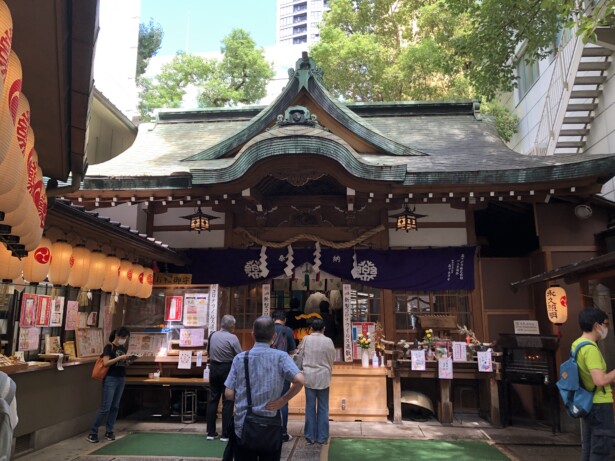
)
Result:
{"points": [[79, 266], [59, 267], [112, 274], [36, 264], [10, 266], [148, 283], [557, 305]]}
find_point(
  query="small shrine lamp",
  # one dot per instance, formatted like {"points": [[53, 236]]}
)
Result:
{"points": [[199, 221], [557, 306], [406, 220]]}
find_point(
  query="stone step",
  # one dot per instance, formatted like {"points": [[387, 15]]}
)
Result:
{"points": [[578, 120], [574, 132], [594, 51], [589, 80], [581, 107], [594, 65], [585, 94], [568, 144]]}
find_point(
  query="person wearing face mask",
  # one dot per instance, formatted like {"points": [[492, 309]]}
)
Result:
{"points": [[598, 428], [115, 357]]}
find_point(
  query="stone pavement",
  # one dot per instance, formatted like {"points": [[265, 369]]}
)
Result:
{"points": [[519, 443]]}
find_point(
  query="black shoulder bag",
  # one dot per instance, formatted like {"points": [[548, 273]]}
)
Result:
{"points": [[259, 433]]}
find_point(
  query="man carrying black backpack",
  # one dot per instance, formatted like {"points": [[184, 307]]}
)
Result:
{"points": [[598, 425], [283, 340]]}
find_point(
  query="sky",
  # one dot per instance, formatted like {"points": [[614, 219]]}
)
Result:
{"points": [[197, 26]]}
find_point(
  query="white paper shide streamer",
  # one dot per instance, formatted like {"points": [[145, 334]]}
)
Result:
{"points": [[290, 267], [263, 262]]}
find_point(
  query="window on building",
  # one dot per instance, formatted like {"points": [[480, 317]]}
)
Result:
{"points": [[300, 7], [300, 40], [246, 304], [410, 305], [286, 32], [300, 18], [527, 75], [286, 21], [299, 30], [286, 10], [366, 305]]}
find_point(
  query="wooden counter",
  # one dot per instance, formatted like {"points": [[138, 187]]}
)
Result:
{"points": [[356, 394]]}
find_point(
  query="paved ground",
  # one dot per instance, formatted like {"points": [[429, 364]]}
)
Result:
{"points": [[517, 442]]}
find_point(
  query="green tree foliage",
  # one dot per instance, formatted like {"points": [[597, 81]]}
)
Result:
{"points": [[239, 77], [150, 40]]}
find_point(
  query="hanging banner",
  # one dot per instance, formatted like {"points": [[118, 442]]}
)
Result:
{"points": [[57, 308], [28, 310], [431, 269], [43, 311], [173, 308], [213, 308], [347, 312], [29, 339], [266, 299]]}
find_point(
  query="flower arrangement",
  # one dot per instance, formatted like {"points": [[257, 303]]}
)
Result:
{"points": [[364, 341], [428, 338]]}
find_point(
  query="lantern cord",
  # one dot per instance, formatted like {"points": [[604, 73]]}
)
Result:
{"points": [[315, 238]]}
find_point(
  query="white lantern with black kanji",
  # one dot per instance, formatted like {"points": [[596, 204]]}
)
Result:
{"points": [[557, 305]]}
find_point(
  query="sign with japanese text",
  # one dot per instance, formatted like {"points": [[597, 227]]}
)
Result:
{"points": [[459, 351], [196, 306], [418, 359], [445, 368], [173, 308], [484, 361], [172, 279], [214, 291], [526, 327], [184, 361], [191, 337], [266, 299], [347, 313]]}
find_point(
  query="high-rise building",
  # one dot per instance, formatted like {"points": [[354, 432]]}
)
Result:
{"points": [[297, 21]]}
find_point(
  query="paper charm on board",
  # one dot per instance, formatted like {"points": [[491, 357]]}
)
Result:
{"points": [[264, 272], [484, 361], [290, 267], [418, 359], [355, 268], [317, 262]]}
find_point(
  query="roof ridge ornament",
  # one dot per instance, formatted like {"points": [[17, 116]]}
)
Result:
{"points": [[304, 68], [297, 115]]}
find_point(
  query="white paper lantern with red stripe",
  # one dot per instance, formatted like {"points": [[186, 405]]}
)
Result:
{"points": [[137, 280], [59, 267], [36, 264], [10, 162], [98, 268], [125, 279], [10, 266], [112, 274], [6, 39], [79, 266]]}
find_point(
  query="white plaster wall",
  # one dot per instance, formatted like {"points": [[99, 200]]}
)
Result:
{"points": [[213, 239], [125, 214], [115, 62], [431, 236]]}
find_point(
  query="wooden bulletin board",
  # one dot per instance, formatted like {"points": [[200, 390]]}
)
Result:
{"points": [[89, 342]]}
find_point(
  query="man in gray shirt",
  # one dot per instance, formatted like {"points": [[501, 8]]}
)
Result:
{"points": [[222, 347]]}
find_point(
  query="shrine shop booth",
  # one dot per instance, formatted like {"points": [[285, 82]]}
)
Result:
{"points": [[405, 216]]}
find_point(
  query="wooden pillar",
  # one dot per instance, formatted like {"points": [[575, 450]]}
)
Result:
{"points": [[396, 399], [445, 407], [494, 407]]}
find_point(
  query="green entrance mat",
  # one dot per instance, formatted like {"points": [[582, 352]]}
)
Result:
{"points": [[416, 450], [164, 444]]}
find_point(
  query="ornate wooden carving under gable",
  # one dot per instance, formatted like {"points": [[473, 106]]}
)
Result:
{"points": [[297, 178]]}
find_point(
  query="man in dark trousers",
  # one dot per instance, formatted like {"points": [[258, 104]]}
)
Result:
{"points": [[284, 340], [268, 369], [222, 347]]}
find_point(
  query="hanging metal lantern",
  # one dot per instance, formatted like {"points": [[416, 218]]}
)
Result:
{"points": [[98, 268], [407, 220], [36, 264], [125, 279], [59, 267], [112, 274], [148, 283], [137, 280], [79, 266], [10, 266], [199, 221], [557, 305]]}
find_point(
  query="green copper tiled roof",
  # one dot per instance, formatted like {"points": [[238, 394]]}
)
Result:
{"points": [[295, 145]]}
